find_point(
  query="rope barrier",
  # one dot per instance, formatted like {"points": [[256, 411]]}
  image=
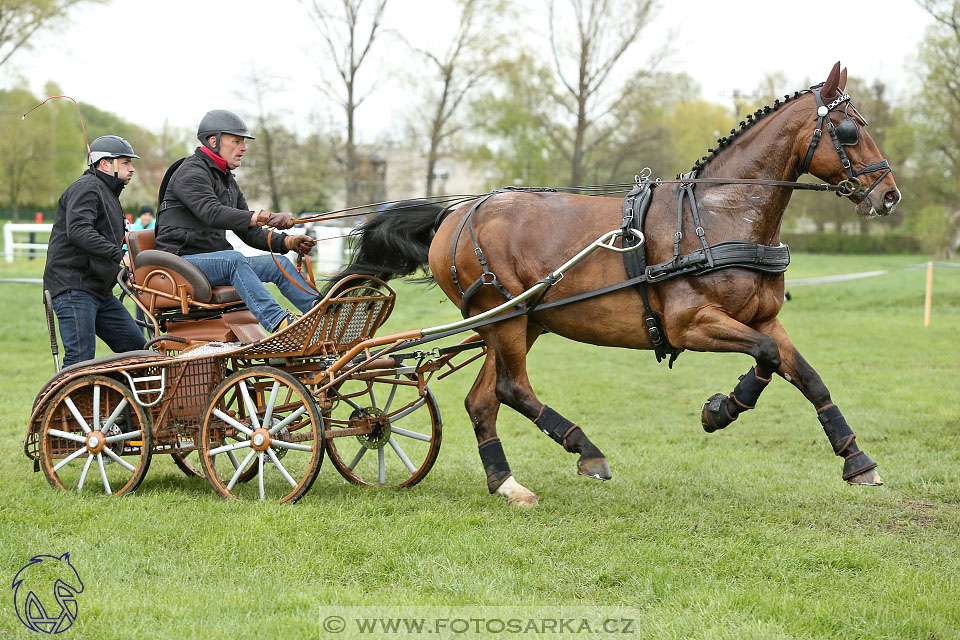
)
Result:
{"points": [[865, 274]]}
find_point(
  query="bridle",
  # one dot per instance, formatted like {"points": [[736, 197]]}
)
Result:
{"points": [[845, 134]]}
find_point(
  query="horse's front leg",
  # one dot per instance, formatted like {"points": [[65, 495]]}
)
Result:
{"points": [[714, 331], [858, 468]]}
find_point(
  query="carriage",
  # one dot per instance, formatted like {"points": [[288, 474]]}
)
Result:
{"points": [[253, 413]]}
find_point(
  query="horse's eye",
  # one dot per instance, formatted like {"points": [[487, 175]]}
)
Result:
{"points": [[848, 133]]}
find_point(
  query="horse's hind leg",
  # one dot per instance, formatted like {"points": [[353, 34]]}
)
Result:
{"points": [[510, 341], [858, 468], [482, 407]]}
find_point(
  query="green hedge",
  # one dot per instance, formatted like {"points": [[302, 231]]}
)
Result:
{"points": [[833, 242]]}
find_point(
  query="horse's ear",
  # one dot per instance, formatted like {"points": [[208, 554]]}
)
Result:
{"points": [[843, 79], [830, 86]]}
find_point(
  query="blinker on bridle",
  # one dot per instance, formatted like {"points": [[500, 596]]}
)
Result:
{"points": [[845, 134]]}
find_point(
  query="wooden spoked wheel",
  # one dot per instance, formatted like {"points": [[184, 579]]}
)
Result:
{"points": [[188, 462], [383, 432], [261, 422], [95, 438]]}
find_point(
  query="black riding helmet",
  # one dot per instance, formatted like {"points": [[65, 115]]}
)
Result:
{"points": [[110, 147], [218, 122]]}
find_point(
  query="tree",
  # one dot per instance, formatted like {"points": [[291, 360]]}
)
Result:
{"points": [[584, 59], [22, 177], [470, 56], [43, 154], [267, 162], [348, 30], [21, 19], [510, 119]]}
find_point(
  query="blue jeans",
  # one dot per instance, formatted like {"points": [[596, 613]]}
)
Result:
{"points": [[247, 275], [83, 316]]}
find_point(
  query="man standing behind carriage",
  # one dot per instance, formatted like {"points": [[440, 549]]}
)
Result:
{"points": [[83, 256], [202, 201]]}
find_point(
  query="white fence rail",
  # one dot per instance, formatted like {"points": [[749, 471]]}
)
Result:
{"points": [[9, 246], [330, 253]]}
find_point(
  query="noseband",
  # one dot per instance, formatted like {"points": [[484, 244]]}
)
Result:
{"points": [[845, 134]]}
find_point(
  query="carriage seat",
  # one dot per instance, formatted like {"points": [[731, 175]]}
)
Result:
{"points": [[164, 280]]}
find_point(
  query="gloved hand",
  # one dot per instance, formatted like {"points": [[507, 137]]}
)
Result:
{"points": [[276, 220], [301, 244]]}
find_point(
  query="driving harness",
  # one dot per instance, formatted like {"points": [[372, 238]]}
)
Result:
{"points": [[709, 258]]}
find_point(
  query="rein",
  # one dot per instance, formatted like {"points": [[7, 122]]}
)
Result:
{"points": [[311, 282]]}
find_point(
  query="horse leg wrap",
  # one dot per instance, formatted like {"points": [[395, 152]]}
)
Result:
{"points": [[494, 463], [555, 425], [720, 410], [844, 442]]}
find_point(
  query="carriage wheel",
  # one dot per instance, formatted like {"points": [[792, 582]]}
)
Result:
{"points": [[189, 462], [403, 431], [274, 432], [95, 437]]}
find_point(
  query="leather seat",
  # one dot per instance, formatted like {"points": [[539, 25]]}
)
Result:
{"points": [[181, 299], [169, 281]]}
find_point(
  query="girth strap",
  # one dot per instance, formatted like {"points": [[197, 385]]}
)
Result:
{"points": [[635, 207]]}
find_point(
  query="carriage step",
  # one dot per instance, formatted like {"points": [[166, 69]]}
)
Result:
{"points": [[140, 394]]}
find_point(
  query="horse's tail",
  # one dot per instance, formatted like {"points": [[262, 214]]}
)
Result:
{"points": [[393, 243]]}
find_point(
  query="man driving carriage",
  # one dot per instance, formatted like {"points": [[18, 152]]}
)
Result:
{"points": [[202, 200], [83, 257]]}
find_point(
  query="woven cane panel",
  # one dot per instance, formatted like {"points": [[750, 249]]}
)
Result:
{"points": [[351, 320], [190, 391], [292, 339]]}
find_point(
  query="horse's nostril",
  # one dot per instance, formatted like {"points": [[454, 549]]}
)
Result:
{"points": [[891, 198]]}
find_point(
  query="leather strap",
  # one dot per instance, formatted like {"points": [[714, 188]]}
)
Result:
{"points": [[314, 291]]}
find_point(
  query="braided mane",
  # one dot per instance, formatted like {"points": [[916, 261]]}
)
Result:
{"points": [[750, 120]]}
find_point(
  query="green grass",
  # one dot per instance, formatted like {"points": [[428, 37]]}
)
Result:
{"points": [[746, 533]]}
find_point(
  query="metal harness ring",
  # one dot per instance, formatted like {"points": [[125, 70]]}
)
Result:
{"points": [[848, 187]]}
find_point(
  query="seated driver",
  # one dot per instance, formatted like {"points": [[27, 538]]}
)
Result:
{"points": [[202, 201]]}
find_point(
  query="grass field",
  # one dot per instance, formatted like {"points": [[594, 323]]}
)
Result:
{"points": [[745, 533]]}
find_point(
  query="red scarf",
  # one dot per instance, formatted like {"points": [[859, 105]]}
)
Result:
{"points": [[216, 158]]}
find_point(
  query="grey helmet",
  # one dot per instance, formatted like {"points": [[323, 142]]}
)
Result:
{"points": [[220, 121], [110, 147]]}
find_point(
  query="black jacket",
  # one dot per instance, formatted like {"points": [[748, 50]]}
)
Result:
{"points": [[84, 250], [201, 203]]}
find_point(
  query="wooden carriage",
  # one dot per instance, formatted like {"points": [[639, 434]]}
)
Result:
{"points": [[253, 413]]}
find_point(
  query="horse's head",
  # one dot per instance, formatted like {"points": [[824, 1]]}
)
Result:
{"points": [[841, 151]]}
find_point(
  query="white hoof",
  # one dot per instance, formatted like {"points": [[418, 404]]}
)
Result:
{"points": [[516, 494]]}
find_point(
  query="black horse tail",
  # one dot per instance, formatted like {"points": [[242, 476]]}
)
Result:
{"points": [[393, 243]]}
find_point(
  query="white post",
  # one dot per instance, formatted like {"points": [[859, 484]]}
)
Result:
{"points": [[8, 241], [928, 300]]}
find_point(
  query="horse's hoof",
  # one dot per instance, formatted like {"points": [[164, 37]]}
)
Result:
{"points": [[710, 416], [869, 478], [594, 468], [516, 494]]}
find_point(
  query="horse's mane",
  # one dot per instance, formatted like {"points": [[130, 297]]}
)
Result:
{"points": [[751, 119]]}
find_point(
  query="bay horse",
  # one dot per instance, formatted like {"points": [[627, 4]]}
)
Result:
{"points": [[521, 236]]}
